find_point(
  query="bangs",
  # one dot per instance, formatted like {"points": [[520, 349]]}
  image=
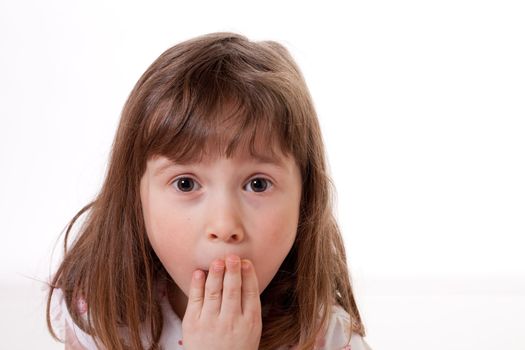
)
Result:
{"points": [[213, 126]]}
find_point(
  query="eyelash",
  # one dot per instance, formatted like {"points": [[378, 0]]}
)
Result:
{"points": [[268, 181]]}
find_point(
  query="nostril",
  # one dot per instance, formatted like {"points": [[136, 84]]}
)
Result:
{"points": [[227, 237]]}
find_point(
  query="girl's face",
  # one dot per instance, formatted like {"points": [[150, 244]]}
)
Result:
{"points": [[204, 211]]}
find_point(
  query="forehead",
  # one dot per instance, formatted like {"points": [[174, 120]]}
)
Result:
{"points": [[233, 130], [256, 142]]}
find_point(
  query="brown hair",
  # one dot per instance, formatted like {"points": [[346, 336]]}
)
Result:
{"points": [[174, 110]]}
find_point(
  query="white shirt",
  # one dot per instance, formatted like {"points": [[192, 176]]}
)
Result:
{"points": [[335, 337]]}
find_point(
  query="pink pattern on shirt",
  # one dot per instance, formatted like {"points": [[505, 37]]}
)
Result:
{"points": [[81, 305]]}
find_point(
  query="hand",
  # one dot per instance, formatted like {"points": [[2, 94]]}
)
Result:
{"points": [[223, 316]]}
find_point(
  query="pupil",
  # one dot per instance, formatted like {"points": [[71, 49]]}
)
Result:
{"points": [[258, 181], [183, 184]]}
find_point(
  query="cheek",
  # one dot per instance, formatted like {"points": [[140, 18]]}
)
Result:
{"points": [[159, 213], [281, 224], [277, 236], [167, 231]]}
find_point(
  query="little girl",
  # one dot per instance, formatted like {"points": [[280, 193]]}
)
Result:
{"points": [[214, 226]]}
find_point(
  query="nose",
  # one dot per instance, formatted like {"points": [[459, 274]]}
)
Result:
{"points": [[224, 222]]}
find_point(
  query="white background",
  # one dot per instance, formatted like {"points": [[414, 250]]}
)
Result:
{"points": [[422, 107]]}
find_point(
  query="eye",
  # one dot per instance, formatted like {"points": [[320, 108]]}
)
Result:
{"points": [[259, 184], [184, 183], [187, 184]]}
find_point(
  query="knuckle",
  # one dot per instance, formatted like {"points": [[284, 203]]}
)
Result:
{"points": [[228, 325], [196, 298], [232, 293], [253, 319], [251, 293], [212, 294], [189, 326]]}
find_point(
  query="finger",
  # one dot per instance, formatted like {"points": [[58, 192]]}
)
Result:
{"points": [[231, 293], [195, 295], [251, 301], [213, 289]]}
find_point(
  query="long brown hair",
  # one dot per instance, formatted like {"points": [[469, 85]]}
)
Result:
{"points": [[174, 110]]}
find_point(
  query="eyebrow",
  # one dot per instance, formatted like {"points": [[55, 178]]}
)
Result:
{"points": [[260, 159]]}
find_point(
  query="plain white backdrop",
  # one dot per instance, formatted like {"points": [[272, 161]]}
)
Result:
{"points": [[422, 108]]}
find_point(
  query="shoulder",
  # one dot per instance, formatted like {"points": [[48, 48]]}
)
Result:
{"points": [[65, 327], [337, 335], [71, 341], [75, 338]]}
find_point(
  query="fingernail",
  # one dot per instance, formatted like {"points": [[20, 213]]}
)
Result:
{"points": [[245, 265], [218, 266], [198, 275], [233, 260]]}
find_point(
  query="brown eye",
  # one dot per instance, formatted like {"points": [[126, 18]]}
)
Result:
{"points": [[184, 184], [259, 184]]}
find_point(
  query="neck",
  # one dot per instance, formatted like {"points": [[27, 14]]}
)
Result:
{"points": [[177, 299]]}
